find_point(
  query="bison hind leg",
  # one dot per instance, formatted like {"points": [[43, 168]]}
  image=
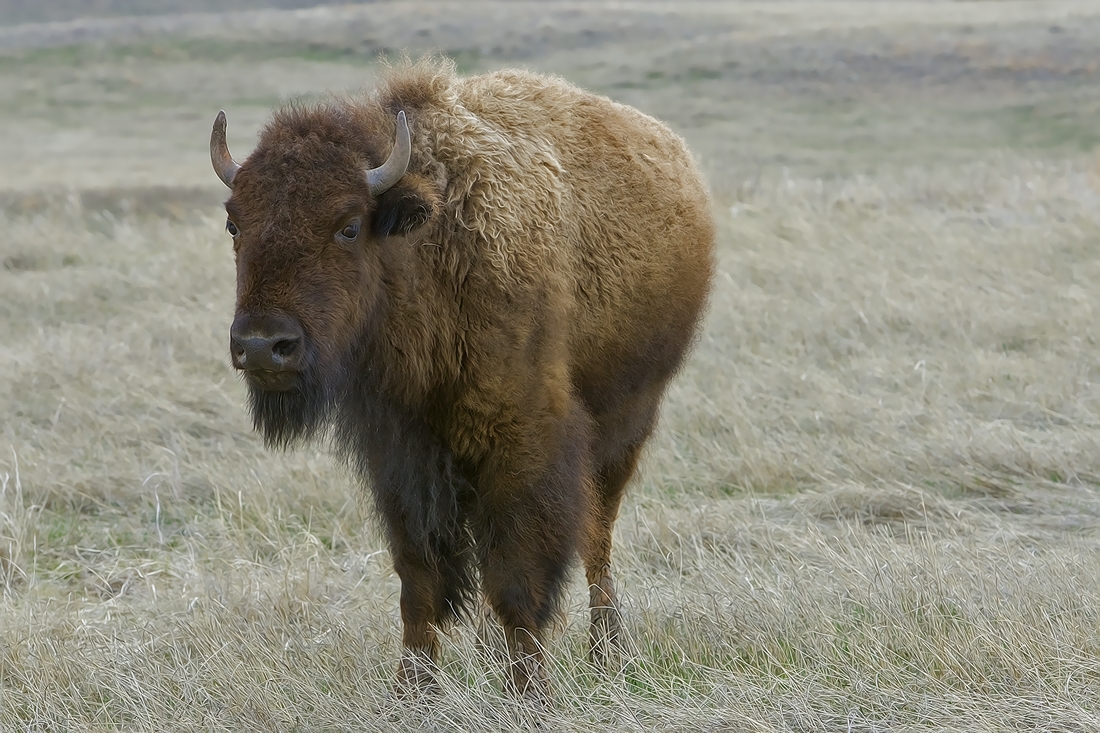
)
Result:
{"points": [[605, 627], [605, 635], [605, 624]]}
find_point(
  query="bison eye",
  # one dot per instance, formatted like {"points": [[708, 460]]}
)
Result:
{"points": [[231, 228], [349, 232]]}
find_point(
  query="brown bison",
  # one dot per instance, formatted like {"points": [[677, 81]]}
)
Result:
{"points": [[479, 288]]}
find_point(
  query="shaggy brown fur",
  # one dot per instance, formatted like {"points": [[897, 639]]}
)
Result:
{"points": [[491, 348]]}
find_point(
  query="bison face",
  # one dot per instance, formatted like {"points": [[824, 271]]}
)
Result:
{"points": [[311, 226]]}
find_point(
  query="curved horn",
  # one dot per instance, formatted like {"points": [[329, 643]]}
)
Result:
{"points": [[383, 178], [223, 162]]}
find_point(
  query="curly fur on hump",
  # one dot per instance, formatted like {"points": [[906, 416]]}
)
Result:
{"points": [[475, 149]]}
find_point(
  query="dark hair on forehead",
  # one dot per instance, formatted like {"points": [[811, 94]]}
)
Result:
{"points": [[330, 120]]}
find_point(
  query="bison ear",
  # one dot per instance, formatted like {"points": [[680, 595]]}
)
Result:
{"points": [[409, 205]]}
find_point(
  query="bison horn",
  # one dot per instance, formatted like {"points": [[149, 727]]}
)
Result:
{"points": [[223, 162], [383, 178]]}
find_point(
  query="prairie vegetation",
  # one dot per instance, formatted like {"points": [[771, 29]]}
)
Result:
{"points": [[874, 500]]}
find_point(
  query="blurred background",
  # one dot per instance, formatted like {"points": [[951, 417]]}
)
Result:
{"points": [[14, 12]]}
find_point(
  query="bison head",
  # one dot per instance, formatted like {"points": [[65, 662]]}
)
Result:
{"points": [[311, 221]]}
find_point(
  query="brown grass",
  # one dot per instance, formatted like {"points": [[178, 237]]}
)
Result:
{"points": [[873, 502]]}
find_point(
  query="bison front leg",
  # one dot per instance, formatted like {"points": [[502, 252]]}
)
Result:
{"points": [[436, 585], [522, 583], [529, 530], [421, 593], [421, 498]]}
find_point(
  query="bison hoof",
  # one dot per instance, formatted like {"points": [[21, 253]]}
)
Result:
{"points": [[604, 639], [531, 684], [415, 677], [528, 677]]}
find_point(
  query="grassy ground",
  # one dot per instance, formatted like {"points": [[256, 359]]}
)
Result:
{"points": [[874, 500]]}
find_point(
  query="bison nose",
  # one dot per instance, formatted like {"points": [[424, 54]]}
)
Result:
{"points": [[266, 344]]}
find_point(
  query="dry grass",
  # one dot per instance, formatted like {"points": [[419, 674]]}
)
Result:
{"points": [[874, 499]]}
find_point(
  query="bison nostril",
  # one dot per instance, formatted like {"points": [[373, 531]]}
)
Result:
{"points": [[285, 347]]}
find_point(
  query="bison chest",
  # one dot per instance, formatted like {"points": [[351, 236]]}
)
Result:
{"points": [[503, 416]]}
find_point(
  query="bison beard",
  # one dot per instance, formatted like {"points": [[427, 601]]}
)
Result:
{"points": [[297, 414]]}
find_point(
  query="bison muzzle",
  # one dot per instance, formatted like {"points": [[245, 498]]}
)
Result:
{"points": [[479, 289]]}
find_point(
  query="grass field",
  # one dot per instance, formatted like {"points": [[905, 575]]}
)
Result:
{"points": [[874, 500]]}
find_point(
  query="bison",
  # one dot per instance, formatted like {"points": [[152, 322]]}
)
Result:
{"points": [[478, 288]]}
